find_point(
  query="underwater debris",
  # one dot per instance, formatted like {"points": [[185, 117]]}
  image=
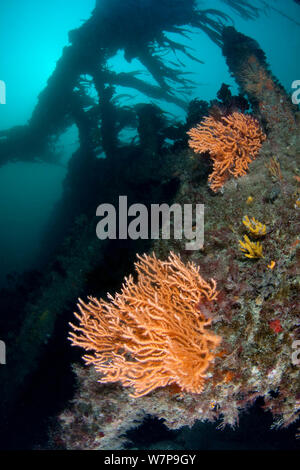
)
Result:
{"points": [[153, 333], [144, 38], [232, 142], [247, 63], [259, 361], [251, 249]]}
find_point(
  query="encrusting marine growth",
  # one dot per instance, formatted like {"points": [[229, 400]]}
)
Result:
{"points": [[251, 249], [232, 142], [153, 333], [256, 228]]}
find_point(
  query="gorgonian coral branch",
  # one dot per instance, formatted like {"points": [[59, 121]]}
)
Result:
{"points": [[152, 333], [232, 142]]}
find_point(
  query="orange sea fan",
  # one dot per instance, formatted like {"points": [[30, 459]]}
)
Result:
{"points": [[232, 142], [152, 333]]}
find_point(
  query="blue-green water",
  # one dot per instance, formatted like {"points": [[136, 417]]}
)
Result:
{"points": [[33, 34]]}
